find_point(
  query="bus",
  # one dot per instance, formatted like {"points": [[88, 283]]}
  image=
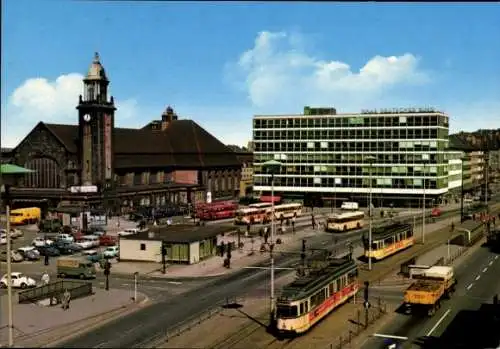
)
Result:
{"points": [[312, 296], [260, 205], [389, 240], [29, 215], [345, 221], [216, 210], [285, 211], [251, 215]]}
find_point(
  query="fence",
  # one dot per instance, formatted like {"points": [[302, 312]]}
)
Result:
{"points": [[361, 324], [55, 289], [188, 324]]}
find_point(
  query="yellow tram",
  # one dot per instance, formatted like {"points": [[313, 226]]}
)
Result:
{"points": [[389, 240], [313, 296]]}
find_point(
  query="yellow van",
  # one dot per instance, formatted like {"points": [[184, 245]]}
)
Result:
{"points": [[29, 215]]}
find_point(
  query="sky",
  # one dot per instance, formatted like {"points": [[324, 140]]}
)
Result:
{"points": [[221, 63]]}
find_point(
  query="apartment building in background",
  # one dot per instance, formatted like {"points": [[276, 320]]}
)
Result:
{"points": [[330, 156]]}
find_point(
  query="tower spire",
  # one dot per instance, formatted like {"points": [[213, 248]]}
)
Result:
{"points": [[96, 57]]}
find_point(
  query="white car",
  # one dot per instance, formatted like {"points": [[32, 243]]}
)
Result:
{"points": [[19, 280], [40, 241], [65, 237], [128, 232], [111, 252], [14, 233], [85, 243]]}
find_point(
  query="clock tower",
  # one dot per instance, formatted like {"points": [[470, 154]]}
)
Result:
{"points": [[96, 120]]}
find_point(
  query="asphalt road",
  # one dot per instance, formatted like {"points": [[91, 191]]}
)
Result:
{"points": [[477, 283], [150, 324]]}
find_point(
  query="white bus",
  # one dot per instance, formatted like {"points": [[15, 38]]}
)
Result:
{"points": [[345, 221], [260, 205], [251, 215], [286, 211]]}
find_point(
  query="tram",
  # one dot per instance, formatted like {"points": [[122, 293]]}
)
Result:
{"points": [[389, 240], [312, 296]]}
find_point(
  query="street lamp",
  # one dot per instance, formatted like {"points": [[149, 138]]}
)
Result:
{"points": [[8, 174], [272, 167], [462, 192], [423, 202], [370, 160], [486, 164]]}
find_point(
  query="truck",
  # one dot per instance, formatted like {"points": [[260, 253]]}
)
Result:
{"points": [[432, 286], [79, 267]]}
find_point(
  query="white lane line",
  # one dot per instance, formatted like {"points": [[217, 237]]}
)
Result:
{"points": [[174, 283], [485, 269], [439, 322], [478, 277], [469, 287], [490, 263], [496, 257]]}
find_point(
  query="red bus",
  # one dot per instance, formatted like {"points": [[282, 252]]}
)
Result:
{"points": [[216, 210]]}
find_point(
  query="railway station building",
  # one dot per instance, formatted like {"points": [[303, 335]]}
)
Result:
{"points": [[328, 156], [94, 163]]}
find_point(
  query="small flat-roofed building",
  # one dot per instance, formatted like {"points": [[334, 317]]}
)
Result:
{"points": [[185, 243]]}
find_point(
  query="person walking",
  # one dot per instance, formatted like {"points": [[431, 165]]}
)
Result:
{"points": [[45, 278]]}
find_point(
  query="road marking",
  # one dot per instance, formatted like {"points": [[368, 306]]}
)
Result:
{"points": [[439, 322], [174, 283], [496, 257], [490, 263], [389, 336], [478, 277], [469, 287], [485, 269]]}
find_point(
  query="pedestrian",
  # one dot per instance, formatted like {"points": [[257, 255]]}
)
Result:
{"points": [[222, 249], [313, 221], [293, 225], [248, 230], [452, 227], [46, 258], [45, 278], [66, 298]]}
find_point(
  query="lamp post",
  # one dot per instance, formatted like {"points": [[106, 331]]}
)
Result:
{"points": [[8, 174], [272, 166], [423, 203], [486, 158], [370, 160]]}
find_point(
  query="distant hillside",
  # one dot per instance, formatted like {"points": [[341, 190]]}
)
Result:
{"points": [[481, 139]]}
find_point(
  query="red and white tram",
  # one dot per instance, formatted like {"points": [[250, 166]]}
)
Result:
{"points": [[310, 298]]}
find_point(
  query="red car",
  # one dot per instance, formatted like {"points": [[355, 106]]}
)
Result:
{"points": [[436, 212], [107, 240]]}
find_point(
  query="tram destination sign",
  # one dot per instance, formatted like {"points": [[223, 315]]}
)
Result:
{"points": [[398, 110]]}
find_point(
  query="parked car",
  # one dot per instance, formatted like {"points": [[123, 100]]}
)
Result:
{"points": [[93, 255], [436, 212], [99, 233], [14, 233], [40, 241], [29, 253], [48, 250], [65, 237], [84, 244], [111, 252], [127, 232], [15, 256], [3, 239], [64, 247], [75, 247], [107, 240], [19, 280]]}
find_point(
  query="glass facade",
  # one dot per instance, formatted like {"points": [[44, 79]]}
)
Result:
{"points": [[332, 153]]}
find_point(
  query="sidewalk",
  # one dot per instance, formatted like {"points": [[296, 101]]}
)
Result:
{"points": [[34, 321], [213, 266]]}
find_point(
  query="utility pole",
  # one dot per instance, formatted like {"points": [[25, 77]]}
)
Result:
{"points": [[486, 158], [370, 159], [462, 194], [423, 205], [107, 271], [9, 267], [271, 248], [136, 276], [163, 257]]}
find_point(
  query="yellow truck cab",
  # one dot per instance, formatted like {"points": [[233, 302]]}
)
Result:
{"points": [[431, 286], [28, 215], [78, 267]]}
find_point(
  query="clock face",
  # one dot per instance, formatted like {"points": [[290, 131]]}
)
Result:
{"points": [[86, 117]]}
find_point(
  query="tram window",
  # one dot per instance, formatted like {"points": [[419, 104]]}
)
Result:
{"points": [[286, 311], [302, 310], [375, 245], [352, 276], [331, 288], [398, 237], [409, 233]]}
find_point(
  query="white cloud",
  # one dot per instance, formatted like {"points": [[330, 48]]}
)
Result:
{"points": [[278, 72], [40, 99]]}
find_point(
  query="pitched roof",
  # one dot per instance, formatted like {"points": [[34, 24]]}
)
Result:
{"points": [[183, 144]]}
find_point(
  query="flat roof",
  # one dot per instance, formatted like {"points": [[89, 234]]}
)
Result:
{"points": [[181, 233]]}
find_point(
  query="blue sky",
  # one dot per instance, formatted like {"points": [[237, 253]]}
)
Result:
{"points": [[221, 63]]}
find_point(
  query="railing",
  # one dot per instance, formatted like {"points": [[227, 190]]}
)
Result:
{"points": [[188, 324], [55, 289], [362, 322]]}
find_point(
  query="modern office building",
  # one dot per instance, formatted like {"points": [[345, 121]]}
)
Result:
{"points": [[328, 156]]}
